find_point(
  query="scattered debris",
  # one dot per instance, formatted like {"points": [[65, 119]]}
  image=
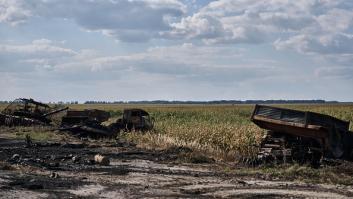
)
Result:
{"points": [[29, 142], [54, 175], [75, 159], [102, 160], [48, 168], [15, 157], [301, 136]]}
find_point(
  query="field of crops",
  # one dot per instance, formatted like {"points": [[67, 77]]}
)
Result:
{"points": [[221, 131]]}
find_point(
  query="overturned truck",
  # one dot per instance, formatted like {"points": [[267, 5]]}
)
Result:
{"points": [[301, 135]]}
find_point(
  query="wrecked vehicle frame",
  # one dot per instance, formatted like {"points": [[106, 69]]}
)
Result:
{"points": [[301, 135], [27, 112]]}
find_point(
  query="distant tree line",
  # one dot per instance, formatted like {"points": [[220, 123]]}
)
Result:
{"points": [[197, 102], [60, 102], [104, 102], [216, 102]]}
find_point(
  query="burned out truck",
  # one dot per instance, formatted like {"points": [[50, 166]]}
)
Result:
{"points": [[27, 112], [135, 119], [301, 135]]}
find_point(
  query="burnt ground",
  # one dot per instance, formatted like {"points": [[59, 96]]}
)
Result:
{"points": [[68, 170]]}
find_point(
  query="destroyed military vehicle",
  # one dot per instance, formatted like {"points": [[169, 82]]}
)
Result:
{"points": [[301, 136], [89, 122], [135, 119], [27, 112]]}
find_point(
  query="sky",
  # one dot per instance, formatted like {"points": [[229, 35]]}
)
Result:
{"points": [[121, 50]]}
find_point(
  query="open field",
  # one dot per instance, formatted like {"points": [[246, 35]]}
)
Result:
{"points": [[223, 132], [194, 151]]}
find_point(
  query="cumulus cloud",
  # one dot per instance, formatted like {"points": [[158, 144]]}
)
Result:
{"points": [[14, 12], [222, 21], [325, 44], [130, 21], [186, 61], [321, 27], [190, 43]]}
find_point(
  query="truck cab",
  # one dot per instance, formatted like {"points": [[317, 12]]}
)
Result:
{"points": [[137, 119]]}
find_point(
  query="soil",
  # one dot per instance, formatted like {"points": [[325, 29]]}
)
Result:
{"points": [[68, 170]]}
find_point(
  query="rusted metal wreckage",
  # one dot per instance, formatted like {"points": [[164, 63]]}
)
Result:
{"points": [[301, 135], [90, 121], [28, 112], [86, 122]]}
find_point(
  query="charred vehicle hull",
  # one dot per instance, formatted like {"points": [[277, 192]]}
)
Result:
{"points": [[135, 119], [87, 122], [298, 135], [27, 112]]}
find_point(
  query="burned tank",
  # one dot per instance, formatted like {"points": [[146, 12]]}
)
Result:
{"points": [[301, 135], [27, 112]]}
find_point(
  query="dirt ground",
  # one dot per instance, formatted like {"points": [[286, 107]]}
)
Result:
{"points": [[68, 170]]}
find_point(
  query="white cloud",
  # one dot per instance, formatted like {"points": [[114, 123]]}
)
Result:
{"points": [[186, 61], [336, 20], [320, 44], [43, 46], [14, 12], [297, 23], [335, 72], [190, 49], [197, 26], [222, 21], [131, 21]]}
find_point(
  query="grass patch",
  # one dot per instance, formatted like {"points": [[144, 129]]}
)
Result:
{"points": [[37, 133], [341, 174]]}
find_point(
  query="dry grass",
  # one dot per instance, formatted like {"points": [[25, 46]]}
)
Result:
{"points": [[341, 174]]}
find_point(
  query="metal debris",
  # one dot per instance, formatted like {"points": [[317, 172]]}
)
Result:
{"points": [[28, 112], [89, 122], [301, 136]]}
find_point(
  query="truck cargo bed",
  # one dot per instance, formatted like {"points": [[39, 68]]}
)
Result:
{"points": [[299, 123]]}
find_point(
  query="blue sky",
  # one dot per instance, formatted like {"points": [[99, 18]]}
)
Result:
{"points": [[110, 50]]}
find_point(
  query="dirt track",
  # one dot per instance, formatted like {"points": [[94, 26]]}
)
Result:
{"points": [[64, 170]]}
